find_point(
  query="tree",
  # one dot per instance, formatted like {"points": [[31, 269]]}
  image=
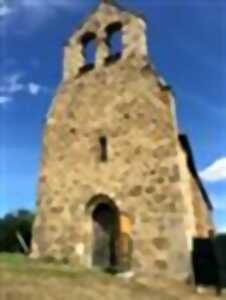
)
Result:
{"points": [[11, 224]]}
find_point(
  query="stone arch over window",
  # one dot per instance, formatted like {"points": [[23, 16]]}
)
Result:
{"points": [[89, 50], [114, 41]]}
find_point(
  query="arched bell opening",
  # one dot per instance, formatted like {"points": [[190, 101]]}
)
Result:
{"points": [[114, 41], [89, 50]]}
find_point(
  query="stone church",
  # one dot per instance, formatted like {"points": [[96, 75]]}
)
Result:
{"points": [[118, 189]]}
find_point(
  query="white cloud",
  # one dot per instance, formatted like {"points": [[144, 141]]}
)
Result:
{"points": [[11, 84], [4, 10], [15, 83], [32, 14], [215, 172], [5, 99], [34, 88]]}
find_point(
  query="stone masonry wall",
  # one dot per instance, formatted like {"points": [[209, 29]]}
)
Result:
{"points": [[190, 220], [142, 173], [198, 217], [126, 103], [203, 217], [134, 39]]}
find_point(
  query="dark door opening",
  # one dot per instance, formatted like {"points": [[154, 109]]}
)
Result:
{"points": [[105, 231]]}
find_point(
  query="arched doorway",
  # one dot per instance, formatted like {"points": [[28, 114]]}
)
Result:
{"points": [[105, 219]]}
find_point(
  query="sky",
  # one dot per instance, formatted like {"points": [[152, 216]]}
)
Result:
{"points": [[187, 45]]}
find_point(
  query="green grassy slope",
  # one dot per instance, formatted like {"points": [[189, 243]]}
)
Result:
{"points": [[22, 279]]}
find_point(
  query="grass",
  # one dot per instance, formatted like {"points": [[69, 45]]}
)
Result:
{"points": [[15, 264], [12, 259], [19, 263], [22, 278], [26, 274]]}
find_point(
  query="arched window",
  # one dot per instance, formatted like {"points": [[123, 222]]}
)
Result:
{"points": [[88, 41], [114, 41]]}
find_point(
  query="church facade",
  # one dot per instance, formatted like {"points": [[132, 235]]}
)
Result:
{"points": [[118, 188]]}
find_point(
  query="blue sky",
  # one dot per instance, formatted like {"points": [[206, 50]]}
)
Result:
{"points": [[187, 44]]}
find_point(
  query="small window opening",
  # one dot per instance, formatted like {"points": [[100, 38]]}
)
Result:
{"points": [[88, 41], [103, 149], [114, 42]]}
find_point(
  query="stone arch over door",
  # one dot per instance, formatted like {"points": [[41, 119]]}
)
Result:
{"points": [[105, 232]]}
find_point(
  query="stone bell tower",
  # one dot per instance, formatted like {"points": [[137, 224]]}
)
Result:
{"points": [[110, 191]]}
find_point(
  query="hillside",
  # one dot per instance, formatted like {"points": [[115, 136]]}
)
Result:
{"points": [[21, 279]]}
